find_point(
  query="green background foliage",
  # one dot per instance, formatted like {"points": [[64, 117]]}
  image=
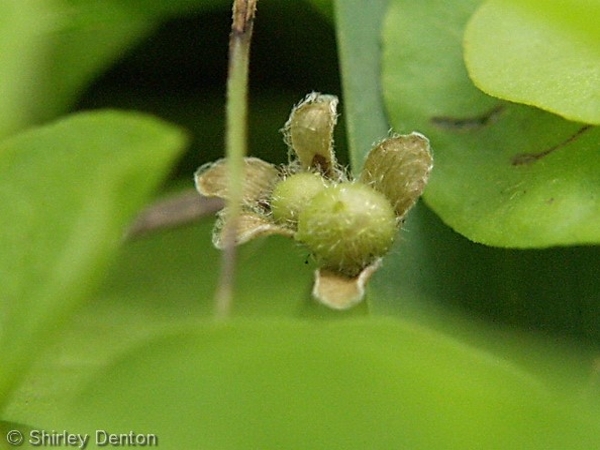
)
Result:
{"points": [[506, 175], [461, 345], [508, 44]]}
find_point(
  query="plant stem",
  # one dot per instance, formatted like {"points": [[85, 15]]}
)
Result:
{"points": [[235, 143]]}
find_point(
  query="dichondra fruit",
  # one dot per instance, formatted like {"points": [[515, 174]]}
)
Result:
{"points": [[291, 195], [347, 226]]}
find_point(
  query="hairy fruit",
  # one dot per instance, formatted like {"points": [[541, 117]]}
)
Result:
{"points": [[347, 227], [291, 195]]}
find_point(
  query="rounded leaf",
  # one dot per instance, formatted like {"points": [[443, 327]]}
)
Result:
{"points": [[506, 175], [523, 55], [356, 384], [67, 190]]}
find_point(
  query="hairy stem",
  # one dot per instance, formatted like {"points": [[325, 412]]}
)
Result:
{"points": [[235, 142]]}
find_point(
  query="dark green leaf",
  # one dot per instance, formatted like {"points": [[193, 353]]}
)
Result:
{"points": [[434, 273]]}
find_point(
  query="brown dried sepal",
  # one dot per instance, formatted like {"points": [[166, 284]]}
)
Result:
{"points": [[309, 134], [340, 292], [399, 168], [249, 226], [259, 179]]}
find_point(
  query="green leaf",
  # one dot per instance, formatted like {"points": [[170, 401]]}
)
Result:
{"points": [[436, 276], [22, 25], [158, 283], [325, 7], [272, 276], [11, 433], [504, 174], [168, 279], [87, 37], [52, 50], [67, 190], [266, 384], [524, 54], [358, 32]]}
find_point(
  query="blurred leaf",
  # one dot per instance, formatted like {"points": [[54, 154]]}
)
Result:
{"points": [[376, 383], [22, 46], [434, 275], [358, 32], [169, 278], [177, 271], [274, 383], [522, 55], [92, 35], [325, 7], [88, 37], [8, 430], [52, 50], [576, 16], [504, 174], [67, 189], [158, 283]]}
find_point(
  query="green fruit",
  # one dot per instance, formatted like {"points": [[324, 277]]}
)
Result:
{"points": [[291, 195], [347, 227]]}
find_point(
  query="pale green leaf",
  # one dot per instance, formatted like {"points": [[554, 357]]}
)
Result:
{"points": [[23, 25], [377, 383], [527, 55], [67, 190]]}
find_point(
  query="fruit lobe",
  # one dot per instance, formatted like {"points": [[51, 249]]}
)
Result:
{"points": [[347, 226], [291, 196]]}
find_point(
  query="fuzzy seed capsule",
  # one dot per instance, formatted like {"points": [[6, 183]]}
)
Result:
{"points": [[347, 227], [291, 196]]}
